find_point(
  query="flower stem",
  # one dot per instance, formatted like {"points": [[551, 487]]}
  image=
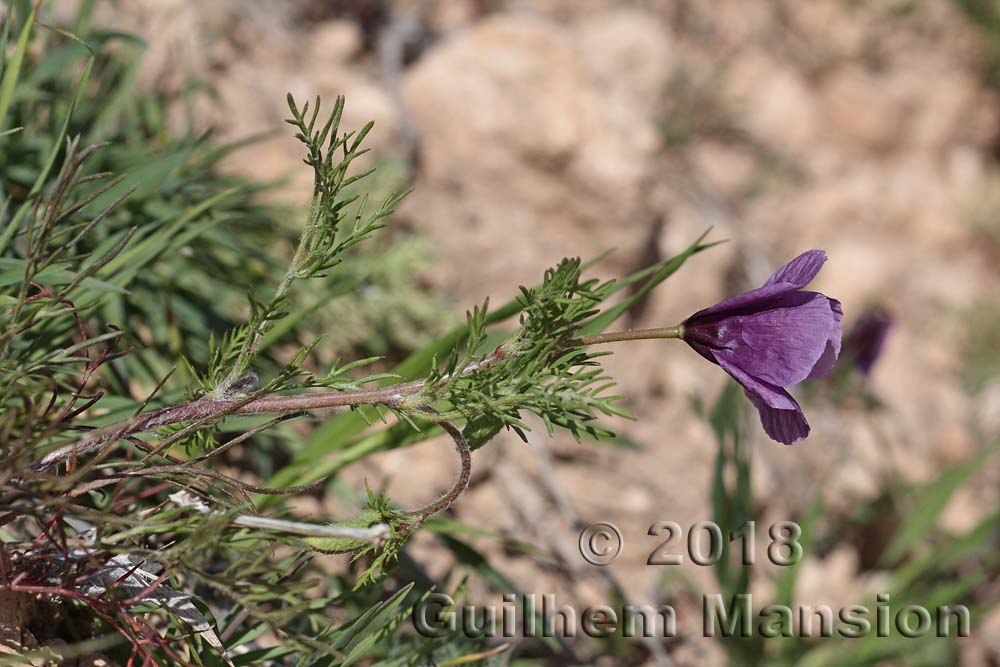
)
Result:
{"points": [[631, 334]]}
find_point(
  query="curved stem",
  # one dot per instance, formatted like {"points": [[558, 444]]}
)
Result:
{"points": [[253, 341], [461, 482]]}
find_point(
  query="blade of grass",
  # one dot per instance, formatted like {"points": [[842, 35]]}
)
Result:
{"points": [[663, 270], [57, 148], [930, 502], [481, 565], [12, 71]]}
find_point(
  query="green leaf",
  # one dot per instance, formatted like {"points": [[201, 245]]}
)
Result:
{"points": [[445, 526], [144, 177], [263, 656], [977, 543], [397, 435], [656, 275], [372, 627], [785, 593], [930, 501], [12, 273], [123, 268], [57, 147], [730, 506], [12, 70], [481, 565]]}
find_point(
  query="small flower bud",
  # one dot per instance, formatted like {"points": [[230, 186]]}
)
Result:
{"points": [[244, 384]]}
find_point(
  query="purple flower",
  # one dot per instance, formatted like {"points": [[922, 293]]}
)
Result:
{"points": [[864, 343], [771, 338]]}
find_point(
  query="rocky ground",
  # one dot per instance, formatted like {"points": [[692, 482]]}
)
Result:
{"points": [[546, 128]]}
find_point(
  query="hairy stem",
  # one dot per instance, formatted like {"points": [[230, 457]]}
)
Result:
{"points": [[208, 408], [249, 349], [461, 482], [631, 334], [374, 533]]}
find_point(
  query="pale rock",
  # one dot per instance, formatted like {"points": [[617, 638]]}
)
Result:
{"points": [[562, 9], [988, 629], [944, 282], [629, 51], [416, 475], [305, 506], [863, 463], [637, 499], [763, 586], [966, 170], [832, 580], [857, 271], [856, 107], [988, 409], [450, 15], [258, 91], [775, 102], [696, 649], [966, 509], [916, 197], [335, 41], [928, 415], [743, 23], [801, 472], [843, 192], [517, 135], [729, 167], [701, 282], [180, 26], [485, 84], [954, 442], [829, 23], [94, 661], [515, 92], [944, 116]]}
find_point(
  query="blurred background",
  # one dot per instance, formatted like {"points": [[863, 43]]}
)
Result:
{"points": [[536, 129]]}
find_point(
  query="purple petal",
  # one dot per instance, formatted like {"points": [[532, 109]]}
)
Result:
{"points": [[780, 344], [780, 415], [800, 270], [784, 426], [832, 351], [742, 302], [703, 350], [772, 396], [792, 276]]}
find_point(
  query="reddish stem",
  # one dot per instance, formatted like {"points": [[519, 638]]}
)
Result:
{"points": [[206, 409]]}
